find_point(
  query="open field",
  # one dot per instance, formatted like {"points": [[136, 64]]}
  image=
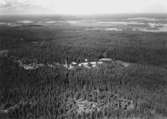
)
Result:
{"points": [[133, 85]]}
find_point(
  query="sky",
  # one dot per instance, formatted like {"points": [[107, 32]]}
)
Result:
{"points": [[82, 7]]}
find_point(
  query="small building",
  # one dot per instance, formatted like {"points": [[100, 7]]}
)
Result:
{"points": [[106, 60]]}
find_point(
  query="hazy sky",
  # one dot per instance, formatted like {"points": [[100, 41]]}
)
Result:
{"points": [[82, 6]]}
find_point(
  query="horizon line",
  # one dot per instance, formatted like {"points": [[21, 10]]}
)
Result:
{"points": [[100, 14]]}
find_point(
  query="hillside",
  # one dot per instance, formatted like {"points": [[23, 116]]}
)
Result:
{"points": [[111, 90]]}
